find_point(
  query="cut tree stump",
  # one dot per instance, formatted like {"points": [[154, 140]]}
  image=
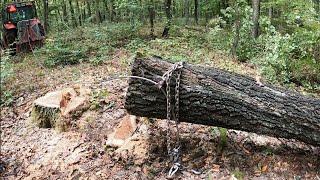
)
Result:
{"points": [[55, 108], [211, 96]]}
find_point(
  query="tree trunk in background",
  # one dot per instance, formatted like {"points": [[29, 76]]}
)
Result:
{"points": [[317, 7], [84, 12], [236, 38], [152, 15], [89, 8], [187, 10], [207, 9], [105, 12], [73, 17], [270, 13], [215, 97], [46, 15], [112, 11], [97, 11], [64, 12], [79, 14], [166, 29], [196, 5], [255, 18]]}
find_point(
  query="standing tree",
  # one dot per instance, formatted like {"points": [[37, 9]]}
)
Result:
{"points": [[186, 10], [237, 25], [152, 15], [112, 11], [196, 6], [166, 29], [317, 7], [46, 14], [64, 12], [98, 14], [89, 8], [74, 20], [255, 18]]}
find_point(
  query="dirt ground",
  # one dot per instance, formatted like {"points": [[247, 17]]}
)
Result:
{"points": [[29, 152]]}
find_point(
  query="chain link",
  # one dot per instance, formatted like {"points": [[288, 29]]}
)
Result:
{"points": [[174, 153]]}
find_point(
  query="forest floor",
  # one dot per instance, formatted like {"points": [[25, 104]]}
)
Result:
{"points": [[29, 152]]}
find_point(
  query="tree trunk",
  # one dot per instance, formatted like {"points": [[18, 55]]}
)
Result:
{"points": [[152, 15], [186, 11], [79, 14], [97, 10], [166, 29], [215, 97], [46, 14], [317, 8], [73, 17], [270, 13], [64, 12], [236, 38], [196, 5], [112, 11], [105, 12], [255, 18], [89, 8]]}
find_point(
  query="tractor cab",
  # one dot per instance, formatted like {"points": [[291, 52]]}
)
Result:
{"points": [[22, 29]]}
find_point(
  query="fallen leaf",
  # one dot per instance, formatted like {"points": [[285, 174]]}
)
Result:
{"points": [[216, 168], [264, 168]]}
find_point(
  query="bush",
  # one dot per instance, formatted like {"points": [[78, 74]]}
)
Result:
{"points": [[91, 43]]}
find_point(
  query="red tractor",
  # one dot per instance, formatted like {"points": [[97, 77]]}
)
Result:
{"points": [[22, 30]]}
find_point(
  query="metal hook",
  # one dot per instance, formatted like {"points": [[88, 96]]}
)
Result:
{"points": [[175, 167]]}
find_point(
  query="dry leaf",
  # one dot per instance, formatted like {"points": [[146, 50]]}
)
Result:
{"points": [[264, 168], [216, 168]]}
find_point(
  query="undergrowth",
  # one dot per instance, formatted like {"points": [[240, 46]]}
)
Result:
{"points": [[280, 58]]}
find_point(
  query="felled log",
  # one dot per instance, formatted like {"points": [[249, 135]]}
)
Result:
{"points": [[214, 97]]}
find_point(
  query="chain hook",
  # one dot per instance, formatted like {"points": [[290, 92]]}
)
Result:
{"points": [[174, 168]]}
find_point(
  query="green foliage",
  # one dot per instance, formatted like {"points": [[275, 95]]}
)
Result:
{"points": [[223, 137], [6, 98], [291, 58], [97, 97], [287, 50], [89, 43], [238, 174], [63, 56], [6, 69]]}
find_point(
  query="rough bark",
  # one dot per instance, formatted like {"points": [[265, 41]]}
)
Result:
{"points": [[215, 97]]}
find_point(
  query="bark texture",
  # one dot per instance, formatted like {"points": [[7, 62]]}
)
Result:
{"points": [[215, 97]]}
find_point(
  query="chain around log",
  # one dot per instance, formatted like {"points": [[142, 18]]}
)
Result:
{"points": [[174, 153]]}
